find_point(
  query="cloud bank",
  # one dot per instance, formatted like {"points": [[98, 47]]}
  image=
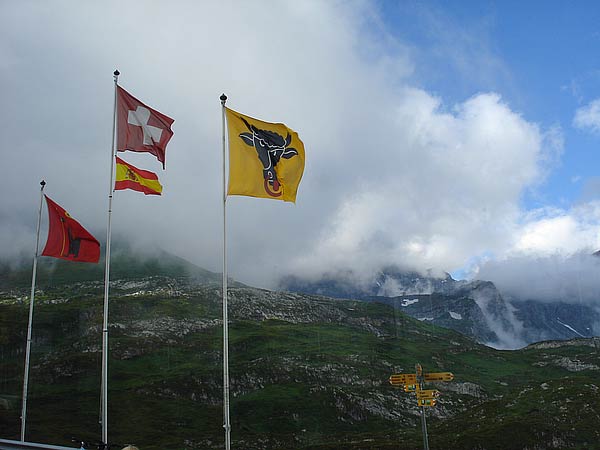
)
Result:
{"points": [[565, 278], [552, 258], [438, 186], [394, 173]]}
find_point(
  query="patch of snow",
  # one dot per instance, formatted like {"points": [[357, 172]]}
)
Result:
{"points": [[454, 315], [569, 327], [135, 294], [407, 302], [425, 318]]}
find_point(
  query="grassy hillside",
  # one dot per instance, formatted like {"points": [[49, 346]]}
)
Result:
{"points": [[306, 372]]}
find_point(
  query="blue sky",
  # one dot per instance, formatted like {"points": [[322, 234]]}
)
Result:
{"points": [[542, 57]]}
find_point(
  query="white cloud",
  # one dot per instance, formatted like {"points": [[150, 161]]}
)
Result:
{"points": [[552, 257], [588, 117], [549, 235], [556, 231], [393, 173], [447, 187], [569, 278]]}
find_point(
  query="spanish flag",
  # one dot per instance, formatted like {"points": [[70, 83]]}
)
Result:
{"points": [[130, 177], [266, 159], [67, 239]]}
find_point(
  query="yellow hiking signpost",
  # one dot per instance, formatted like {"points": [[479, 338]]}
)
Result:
{"points": [[413, 382], [403, 378], [438, 376], [427, 394]]}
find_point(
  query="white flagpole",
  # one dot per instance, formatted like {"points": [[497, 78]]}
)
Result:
{"points": [[226, 424], [29, 326], [104, 389]]}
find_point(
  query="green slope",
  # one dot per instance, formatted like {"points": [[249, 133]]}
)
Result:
{"points": [[306, 372]]}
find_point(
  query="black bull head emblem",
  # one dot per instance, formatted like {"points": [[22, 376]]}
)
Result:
{"points": [[270, 147], [74, 242]]}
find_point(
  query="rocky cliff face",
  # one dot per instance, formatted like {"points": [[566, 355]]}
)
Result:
{"points": [[556, 320], [475, 308]]}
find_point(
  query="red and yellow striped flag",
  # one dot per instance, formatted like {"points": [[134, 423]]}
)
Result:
{"points": [[130, 177]]}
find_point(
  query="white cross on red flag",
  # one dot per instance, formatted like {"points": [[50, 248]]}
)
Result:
{"points": [[141, 128]]}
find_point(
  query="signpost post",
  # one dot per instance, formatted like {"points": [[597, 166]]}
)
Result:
{"points": [[425, 397]]}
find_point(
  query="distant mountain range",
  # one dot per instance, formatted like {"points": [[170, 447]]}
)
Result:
{"points": [[474, 308]]}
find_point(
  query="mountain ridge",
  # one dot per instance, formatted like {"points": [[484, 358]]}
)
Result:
{"points": [[474, 307]]}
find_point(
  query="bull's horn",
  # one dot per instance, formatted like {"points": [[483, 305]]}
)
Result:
{"points": [[247, 124]]}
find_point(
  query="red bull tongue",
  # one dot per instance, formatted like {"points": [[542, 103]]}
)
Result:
{"points": [[276, 186]]}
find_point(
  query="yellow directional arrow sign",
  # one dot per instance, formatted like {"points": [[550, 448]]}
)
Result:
{"points": [[428, 394], [438, 376], [403, 378], [413, 382]]}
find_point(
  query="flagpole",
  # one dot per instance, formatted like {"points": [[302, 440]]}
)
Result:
{"points": [[104, 389], [29, 326], [226, 424]]}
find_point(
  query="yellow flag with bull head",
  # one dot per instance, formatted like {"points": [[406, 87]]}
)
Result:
{"points": [[266, 160]]}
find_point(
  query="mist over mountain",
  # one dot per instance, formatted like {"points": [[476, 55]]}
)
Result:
{"points": [[571, 278], [510, 319], [518, 308]]}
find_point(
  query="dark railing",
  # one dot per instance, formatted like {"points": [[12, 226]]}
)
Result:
{"points": [[18, 445]]}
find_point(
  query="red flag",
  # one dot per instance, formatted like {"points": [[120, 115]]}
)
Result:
{"points": [[141, 128], [67, 239]]}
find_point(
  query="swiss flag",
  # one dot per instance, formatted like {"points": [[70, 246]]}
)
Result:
{"points": [[141, 128]]}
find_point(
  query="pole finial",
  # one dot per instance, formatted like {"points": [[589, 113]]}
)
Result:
{"points": [[223, 98], [116, 74], [43, 184]]}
